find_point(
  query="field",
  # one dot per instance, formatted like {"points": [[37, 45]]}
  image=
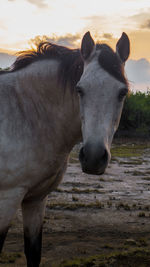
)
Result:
{"points": [[95, 220]]}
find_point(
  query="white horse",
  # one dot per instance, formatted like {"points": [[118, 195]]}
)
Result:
{"points": [[42, 112]]}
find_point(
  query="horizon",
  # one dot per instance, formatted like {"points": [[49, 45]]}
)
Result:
{"points": [[64, 22]]}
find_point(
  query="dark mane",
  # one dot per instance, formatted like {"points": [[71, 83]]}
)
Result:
{"points": [[71, 63], [110, 62]]}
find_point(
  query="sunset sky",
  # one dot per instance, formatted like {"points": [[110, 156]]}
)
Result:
{"points": [[65, 22]]}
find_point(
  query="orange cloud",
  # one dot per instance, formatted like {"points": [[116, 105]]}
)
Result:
{"points": [[69, 40], [146, 25]]}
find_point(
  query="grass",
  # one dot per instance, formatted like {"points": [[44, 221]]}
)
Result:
{"points": [[127, 151], [109, 204], [74, 157], [137, 173], [74, 198], [142, 242], [131, 162], [108, 246], [76, 190], [98, 205], [121, 151], [6, 258], [134, 205], [85, 191], [75, 205], [130, 242], [101, 179], [131, 258], [141, 214], [124, 206], [146, 178]]}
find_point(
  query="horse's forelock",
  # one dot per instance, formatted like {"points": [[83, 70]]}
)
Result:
{"points": [[109, 61]]}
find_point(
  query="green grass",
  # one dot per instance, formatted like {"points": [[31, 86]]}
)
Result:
{"points": [[75, 205], [74, 157], [127, 151], [133, 257], [121, 151]]}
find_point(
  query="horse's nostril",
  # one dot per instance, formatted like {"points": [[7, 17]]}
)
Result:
{"points": [[86, 155]]}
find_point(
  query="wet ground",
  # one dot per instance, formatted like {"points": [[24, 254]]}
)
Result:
{"points": [[88, 215]]}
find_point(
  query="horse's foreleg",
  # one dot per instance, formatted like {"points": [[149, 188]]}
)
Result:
{"points": [[2, 238], [9, 202], [33, 213]]}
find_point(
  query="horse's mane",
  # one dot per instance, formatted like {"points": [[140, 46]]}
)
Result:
{"points": [[71, 63]]}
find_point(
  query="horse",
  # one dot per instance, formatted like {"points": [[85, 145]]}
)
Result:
{"points": [[50, 99]]}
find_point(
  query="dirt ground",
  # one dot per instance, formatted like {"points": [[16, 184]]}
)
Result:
{"points": [[94, 215]]}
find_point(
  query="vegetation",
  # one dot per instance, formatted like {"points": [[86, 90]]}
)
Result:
{"points": [[127, 151], [9, 257], [4, 69], [130, 257], [135, 120]]}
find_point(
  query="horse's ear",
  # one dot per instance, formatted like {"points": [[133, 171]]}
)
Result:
{"points": [[123, 47], [87, 46]]}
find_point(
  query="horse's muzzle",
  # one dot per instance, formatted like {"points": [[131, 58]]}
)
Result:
{"points": [[94, 158]]}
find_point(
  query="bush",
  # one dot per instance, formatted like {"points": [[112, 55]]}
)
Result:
{"points": [[135, 120]]}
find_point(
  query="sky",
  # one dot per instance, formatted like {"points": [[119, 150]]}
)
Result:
{"points": [[24, 22]]}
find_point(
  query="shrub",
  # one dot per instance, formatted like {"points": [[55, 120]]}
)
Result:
{"points": [[135, 119]]}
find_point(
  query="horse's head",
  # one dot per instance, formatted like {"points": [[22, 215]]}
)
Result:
{"points": [[102, 90]]}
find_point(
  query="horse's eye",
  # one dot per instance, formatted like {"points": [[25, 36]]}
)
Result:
{"points": [[79, 91], [123, 92]]}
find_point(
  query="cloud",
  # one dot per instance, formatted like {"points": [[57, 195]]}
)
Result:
{"points": [[94, 18], [141, 19], [6, 60], [68, 40], [38, 3], [138, 73], [2, 25], [107, 36], [95, 23], [130, 0], [146, 25]]}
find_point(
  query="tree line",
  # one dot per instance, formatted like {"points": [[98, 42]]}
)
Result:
{"points": [[135, 119]]}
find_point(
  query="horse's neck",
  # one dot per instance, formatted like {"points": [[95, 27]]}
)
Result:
{"points": [[47, 104]]}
